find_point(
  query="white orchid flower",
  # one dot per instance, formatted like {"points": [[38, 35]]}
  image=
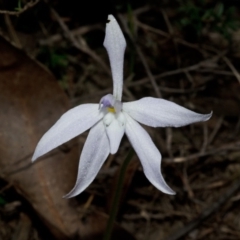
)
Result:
{"points": [[110, 119]]}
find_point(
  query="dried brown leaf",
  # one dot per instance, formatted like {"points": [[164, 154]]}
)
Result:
{"points": [[30, 102]]}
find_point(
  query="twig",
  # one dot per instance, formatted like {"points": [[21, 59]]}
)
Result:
{"points": [[144, 62], [215, 130], [5, 187], [171, 31], [206, 213], [185, 43], [195, 67], [237, 127], [158, 216], [133, 84], [186, 183], [89, 201], [141, 10], [190, 68], [234, 70], [219, 72], [75, 32], [205, 138], [80, 43], [226, 147], [12, 32], [25, 8], [169, 141], [166, 35]]}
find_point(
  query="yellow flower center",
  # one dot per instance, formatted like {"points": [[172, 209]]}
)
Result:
{"points": [[111, 109]]}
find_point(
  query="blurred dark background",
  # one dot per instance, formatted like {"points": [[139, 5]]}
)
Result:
{"points": [[52, 59]]}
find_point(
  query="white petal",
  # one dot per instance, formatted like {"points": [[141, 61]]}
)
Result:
{"points": [[72, 123], [94, 153], [115, 44], [115, 126], [148, 154], [156, 112]]}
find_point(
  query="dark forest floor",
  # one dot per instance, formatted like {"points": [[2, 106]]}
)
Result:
{"points": [[195, 61]]}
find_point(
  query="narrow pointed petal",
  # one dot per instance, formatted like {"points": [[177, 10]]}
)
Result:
{"points": [[115, 44], [94, 153], [74, 122], [156, 112], [148, 154]]}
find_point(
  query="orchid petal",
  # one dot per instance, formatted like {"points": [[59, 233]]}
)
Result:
{"points": [[74, 122], [115, 44], [156, 112], [115, 126], [94, 153], [148, 154]]}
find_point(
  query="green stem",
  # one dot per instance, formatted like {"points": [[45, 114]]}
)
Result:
{"points": [[117, 196]]}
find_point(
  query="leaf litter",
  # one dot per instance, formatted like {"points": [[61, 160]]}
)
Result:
{"points": [[200, 162]]}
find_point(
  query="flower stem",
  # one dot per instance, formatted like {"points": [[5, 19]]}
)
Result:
{"points": [[117, 196]]}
